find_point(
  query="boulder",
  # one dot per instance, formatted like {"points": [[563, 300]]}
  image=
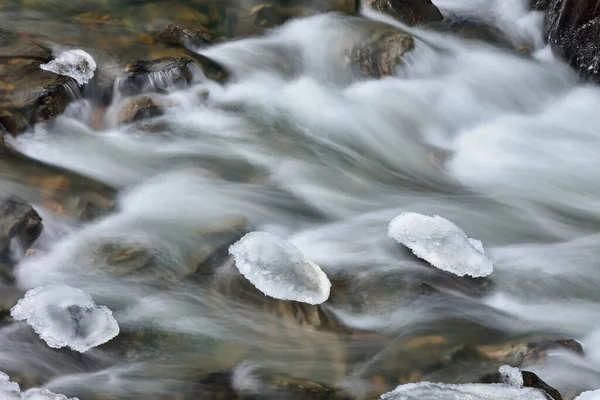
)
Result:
{"points": [[409, 12], [20, 221], [573, 30]]}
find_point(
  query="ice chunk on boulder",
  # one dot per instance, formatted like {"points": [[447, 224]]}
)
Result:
{"points": [[66, 316], [591, 395], [8, 390], [441, 243], [43, 394], [512, 375], [470, 391], [278, 269], [76, 64]]}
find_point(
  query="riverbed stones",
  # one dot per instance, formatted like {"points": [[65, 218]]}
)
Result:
{"points": [[409, 12], [183, 36], [573, 30], [20, 221]]}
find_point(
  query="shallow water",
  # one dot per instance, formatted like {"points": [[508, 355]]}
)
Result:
{"points": [[503, 144]]}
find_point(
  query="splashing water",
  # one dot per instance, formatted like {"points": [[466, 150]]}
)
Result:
{"points": [[501, 143]]}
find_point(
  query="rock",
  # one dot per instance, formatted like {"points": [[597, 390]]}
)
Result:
{"points": [[29, 94], [530, 380], [18, 220], [539, 5], [185, 37], [138, 109], [409, 12], [573, 30], [471, 28], [527, 353], [380, 54], [56, 188], [167, 74]]}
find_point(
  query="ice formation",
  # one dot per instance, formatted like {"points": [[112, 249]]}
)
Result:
{"points": [[66, 316], [513, 375], [441, 243], [469, 391], [76, 64], [11, 391], [8, 390], [278, 269], [591, 395]]}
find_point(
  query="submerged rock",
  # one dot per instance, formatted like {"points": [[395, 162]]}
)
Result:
{"points": [[185, 37], [471, 28], [64, 316], [441, 243], [573, 30], [279, 270], [409, 12], [138, 109], [18, 220], [167, 74], [272, 13], [380, 54]]}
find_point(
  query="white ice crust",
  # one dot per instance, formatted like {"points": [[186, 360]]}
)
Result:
{"points": [[66, 316], [470, 391], [441, 243], [591, 395], [279, 269], [76, 64], [11, 391], [512, 375]]}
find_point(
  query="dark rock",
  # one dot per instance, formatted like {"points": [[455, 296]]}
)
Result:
{"points": [[539, 5], [167, 74], [530, 380], [18, 220], [468, 27], [271, 14], [138, 109], [185, 37], [409, 12], [380, 54], [573, 30]]}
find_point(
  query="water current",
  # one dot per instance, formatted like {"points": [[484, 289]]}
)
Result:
{"points": [[502, 143]]}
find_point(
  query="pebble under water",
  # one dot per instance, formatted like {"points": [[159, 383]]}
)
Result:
{"points": [[499, 140]]}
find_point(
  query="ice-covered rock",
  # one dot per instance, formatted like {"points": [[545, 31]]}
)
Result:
{"points": [[470, 391], [76, 64], [278, 269], [591, 395], [66, 316], [43, 394], [441, 243], [512, 375], [8, 390]]}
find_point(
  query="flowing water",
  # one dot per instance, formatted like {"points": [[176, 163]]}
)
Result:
{"points": [[503, 144]]}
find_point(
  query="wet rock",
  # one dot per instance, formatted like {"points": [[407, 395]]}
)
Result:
{"points": [[56, 188], [28, 94], [380, 54], [18, 220], [138, 109], [184, 36], [409, 12], [527, 353], [573, 30], [166, 74], [473, 29], [539, 5], [530, 380], [271, 14]]}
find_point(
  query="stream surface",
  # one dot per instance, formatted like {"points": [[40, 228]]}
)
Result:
{"points": [[503, 143]]}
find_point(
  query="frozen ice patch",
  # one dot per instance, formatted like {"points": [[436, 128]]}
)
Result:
{"points": [[43, 394], [8, 390], [76, 64], [278, 269], [470, 391], [512, 375], [591, 395], [441, 243], [66, 316]]}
